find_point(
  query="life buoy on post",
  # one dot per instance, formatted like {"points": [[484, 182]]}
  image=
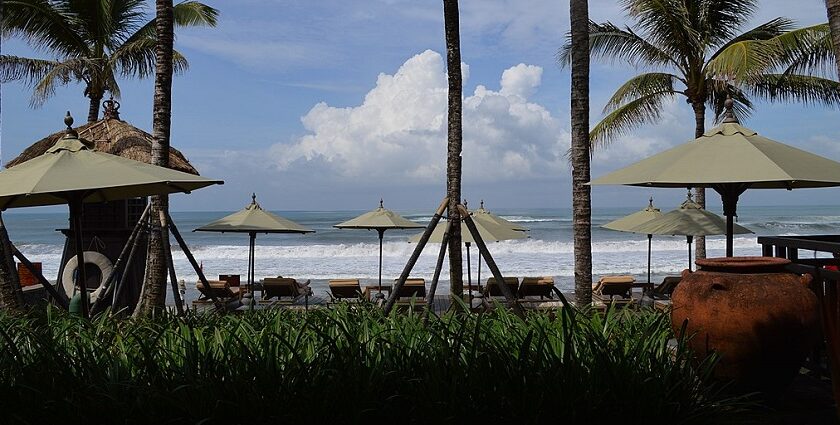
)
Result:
{"points": [[91, 257]]}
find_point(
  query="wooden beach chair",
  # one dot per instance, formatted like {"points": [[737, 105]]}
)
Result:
{"points": [[286, 290], [412, 295], [666, 288], [611, 286], [220, 289], [542, 287], [491, 289], [347, 289]]}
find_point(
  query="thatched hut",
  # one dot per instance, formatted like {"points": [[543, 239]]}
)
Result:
{"points": [[107, 226]]}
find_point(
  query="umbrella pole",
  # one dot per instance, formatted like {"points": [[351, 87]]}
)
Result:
{"points": [[729, 194], [650, 240], [381, 235], [689, 240], [424, 239], [81, 279], [469, 272], [478, 278], [482, 248], [252, 265]]}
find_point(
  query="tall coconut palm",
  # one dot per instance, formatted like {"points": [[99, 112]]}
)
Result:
{"points": [[92, 43], [580, 150], [453, 160], [833, 11], [154, 286], [682, 43]]}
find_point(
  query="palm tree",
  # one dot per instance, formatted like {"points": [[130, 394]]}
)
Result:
{"points": [[93, 42], [453, 162], [580, 150], [685, 45], [833, 11], [154, 286]]}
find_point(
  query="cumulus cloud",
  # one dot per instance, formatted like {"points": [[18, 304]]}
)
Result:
{"points": [[399, 130]]}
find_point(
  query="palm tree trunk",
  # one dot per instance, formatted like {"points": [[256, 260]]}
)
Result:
{"points": [[833, 11], [93, 109], [580, 151], [11, 297], [699, 193], [453, 160], [154, 291]]}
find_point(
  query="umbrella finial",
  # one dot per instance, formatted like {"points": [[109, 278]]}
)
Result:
{"points": [[68, 121], [465, 203], [728, 114], [381, 203], [482, 204], [253, 197]]}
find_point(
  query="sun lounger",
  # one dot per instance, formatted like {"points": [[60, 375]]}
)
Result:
{"points": [[413, 288], [218, 288], [346, 289], [542, 287], [285, 289], [491, 289], [666, 288], [610, 286]]}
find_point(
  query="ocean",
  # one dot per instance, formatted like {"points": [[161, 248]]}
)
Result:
{"points": [[335, 253]]}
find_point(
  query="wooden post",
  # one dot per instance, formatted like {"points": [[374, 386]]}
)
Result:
{"points": [[392, 298], [76, 208], [62, 301], [167, 253], [491, 264], [430, 297], [188, 254], [121, 284], [97, 305]]}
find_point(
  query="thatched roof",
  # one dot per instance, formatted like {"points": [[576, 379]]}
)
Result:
{"points": [[110, 135]]}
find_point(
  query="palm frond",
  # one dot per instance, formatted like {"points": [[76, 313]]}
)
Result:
{"points": [[62, 73], [16, 68], [195, 14], [137, 59], [806, 51], [720, 20], [667, 24], [44, 25], [718, 91], [641, 86], [765, 31], [810, 90], [608, 41], [633, 114]]}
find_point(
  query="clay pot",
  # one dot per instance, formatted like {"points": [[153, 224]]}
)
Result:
{"points": [[761, 320]]}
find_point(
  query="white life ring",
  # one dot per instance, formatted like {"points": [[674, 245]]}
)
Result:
{"points": [[91, 257]]}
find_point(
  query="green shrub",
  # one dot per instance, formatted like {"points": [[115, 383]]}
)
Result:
{"points": [[353, 365]]}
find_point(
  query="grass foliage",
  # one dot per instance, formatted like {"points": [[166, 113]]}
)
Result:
{"points": [[353, 365]]}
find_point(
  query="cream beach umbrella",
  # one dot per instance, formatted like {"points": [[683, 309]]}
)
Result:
{"points": [[488, 230], [252, 220], [629, 222], [688, 220], [380, 219], [72, 173], [483, 214], [729, 159]]}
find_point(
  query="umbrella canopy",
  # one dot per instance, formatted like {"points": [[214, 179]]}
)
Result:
{"points": [[483, 214], [730, 159], [489, 231], [629, 222], [380, 219], [70, 172], [688, 220], [70, 168], [253, 219]]}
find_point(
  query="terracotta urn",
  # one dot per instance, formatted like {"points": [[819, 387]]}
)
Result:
{"points": [[760, 319]]}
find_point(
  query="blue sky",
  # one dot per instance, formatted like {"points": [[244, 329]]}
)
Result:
{"points": [[333, 104]]}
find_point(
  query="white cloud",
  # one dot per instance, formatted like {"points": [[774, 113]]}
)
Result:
{"points": [[399, 130]]}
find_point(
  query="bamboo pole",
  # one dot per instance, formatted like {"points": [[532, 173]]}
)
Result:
{"points": [[106, 292], [62, 301], [76, 208], [491, 264], [188, 254], [118, 289], [167, 253], [392, 298], [430, 297]]}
